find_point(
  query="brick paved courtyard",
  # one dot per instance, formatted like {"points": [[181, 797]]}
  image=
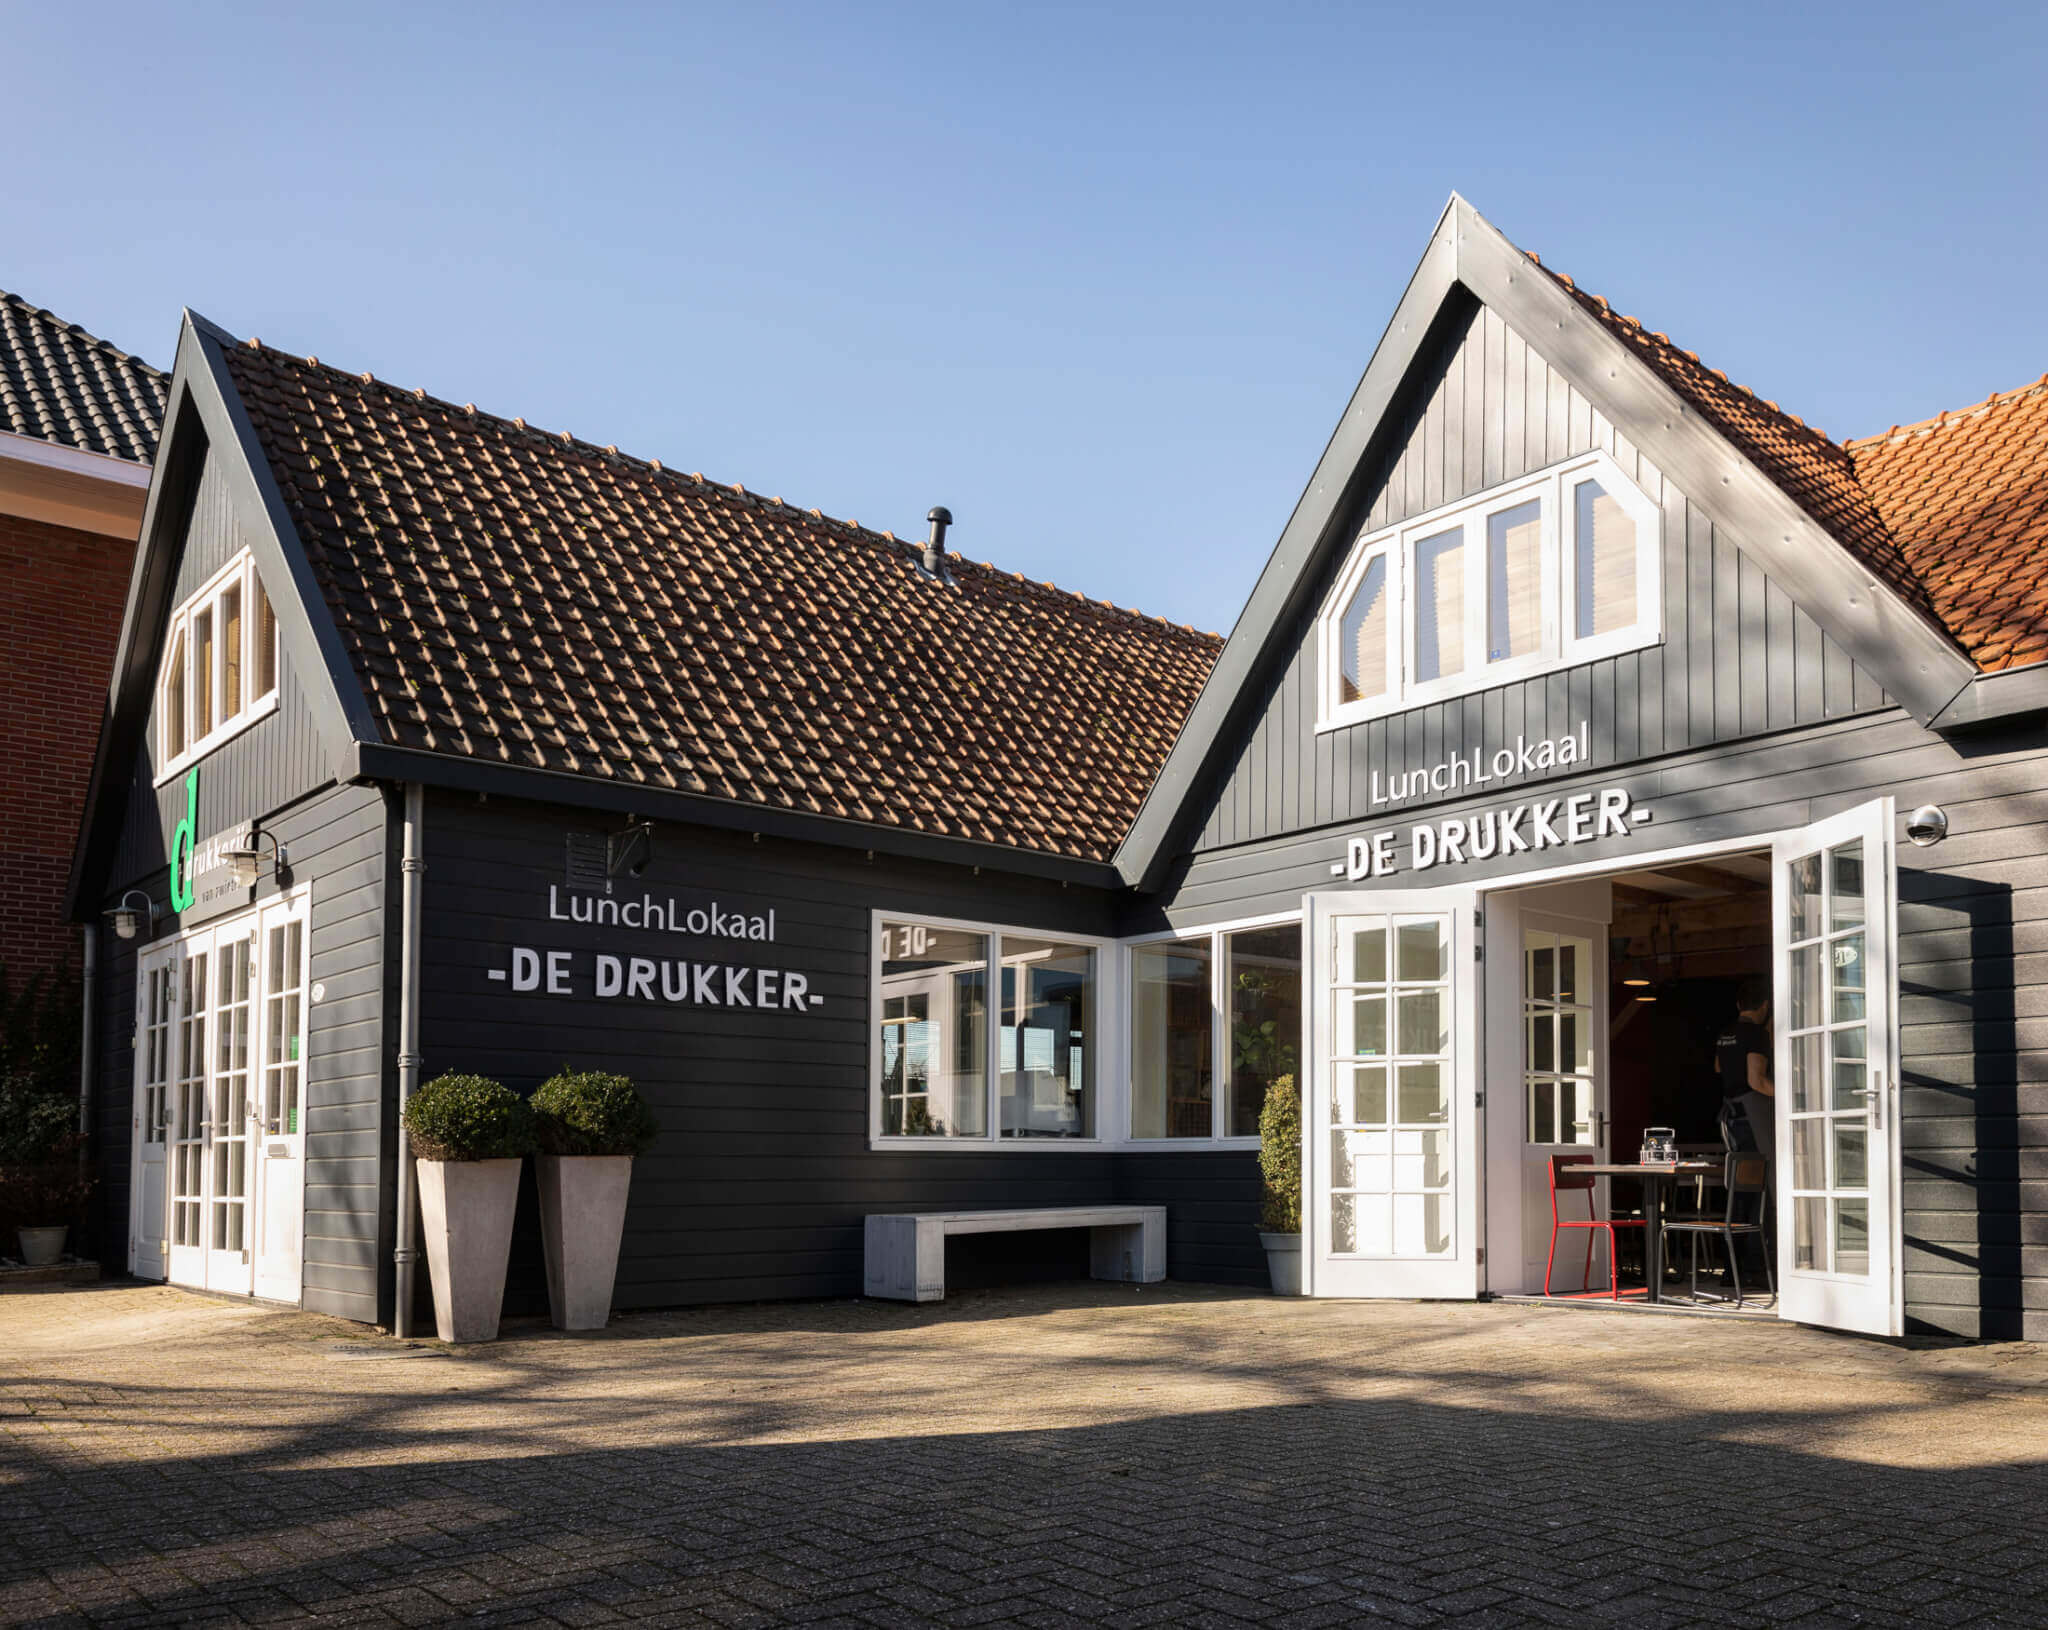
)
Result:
{"points": [[1061, 1455]]}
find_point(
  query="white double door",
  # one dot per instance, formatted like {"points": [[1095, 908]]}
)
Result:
{"points": [[1409, 1082], [217, 1197]]}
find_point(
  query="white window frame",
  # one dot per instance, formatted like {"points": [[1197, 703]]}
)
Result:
{"points": [[241, 571], [1219, 1027], [1107, 1050], [1555, 489]]}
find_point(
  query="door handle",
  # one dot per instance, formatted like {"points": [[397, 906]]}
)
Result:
{"points": [[1873, 1096]]}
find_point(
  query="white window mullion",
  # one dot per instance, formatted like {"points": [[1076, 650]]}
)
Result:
{"points": [[993, 1041]]}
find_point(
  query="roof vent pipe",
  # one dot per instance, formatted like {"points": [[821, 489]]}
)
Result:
{"points": [[935, 547]]}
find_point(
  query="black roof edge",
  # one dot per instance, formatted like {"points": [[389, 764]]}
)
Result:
{"points": [[382, 761]]}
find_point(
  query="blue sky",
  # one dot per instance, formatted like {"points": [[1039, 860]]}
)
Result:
{"points": [[1100, 278]]}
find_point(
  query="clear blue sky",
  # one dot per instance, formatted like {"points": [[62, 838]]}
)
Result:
{"points": [[1099, 277]]}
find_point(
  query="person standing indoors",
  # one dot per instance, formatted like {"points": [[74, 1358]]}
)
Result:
{"points": [[1743, 1057]]}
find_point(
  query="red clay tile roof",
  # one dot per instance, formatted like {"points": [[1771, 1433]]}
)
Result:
{"points": [[59, 384], [518, 596], [1966, 495]]}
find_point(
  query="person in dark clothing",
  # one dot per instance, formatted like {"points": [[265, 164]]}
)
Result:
{"points": [[1742, 1054]]}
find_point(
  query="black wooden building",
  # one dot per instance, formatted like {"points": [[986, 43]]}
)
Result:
{"points": [[1581, 687]]}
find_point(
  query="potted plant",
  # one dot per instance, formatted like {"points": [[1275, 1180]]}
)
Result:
{"points": [[590, 1127], [43, 1186], [1280, 1175], [469, 1136]]}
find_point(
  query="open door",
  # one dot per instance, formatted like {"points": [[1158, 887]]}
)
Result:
{"points": [[1837, 1083], [1391, 1199]]}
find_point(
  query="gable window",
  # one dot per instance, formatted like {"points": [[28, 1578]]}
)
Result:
{"points": [[220, 666], [1558, 568]]}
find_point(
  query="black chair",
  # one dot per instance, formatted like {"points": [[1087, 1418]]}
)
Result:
{"points": [[1745, 1176]]}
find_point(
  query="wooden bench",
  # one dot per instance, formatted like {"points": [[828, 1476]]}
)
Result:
{"points": [[906, 1251]]}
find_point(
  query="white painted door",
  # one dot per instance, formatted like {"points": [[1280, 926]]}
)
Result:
{"points": [[229, 1167], [281, 1166], [1391, 1191], [1836, 1079], [155, 1033], [191, 963], [1562, 1097]]}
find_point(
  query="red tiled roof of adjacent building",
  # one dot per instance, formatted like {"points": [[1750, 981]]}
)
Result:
{"points": [[518, 596], [60, 384], [1952, 513]]}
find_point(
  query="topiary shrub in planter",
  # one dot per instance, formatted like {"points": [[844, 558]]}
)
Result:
{"points": [[591, 1125], [1280, 1175], [469, 1134]]}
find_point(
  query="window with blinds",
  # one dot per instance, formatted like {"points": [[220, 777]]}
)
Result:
{"points": [[219, 673], [1557, 568]]}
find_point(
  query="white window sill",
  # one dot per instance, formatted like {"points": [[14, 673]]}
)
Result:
{"points": [[1492, 678], [220, 736]]}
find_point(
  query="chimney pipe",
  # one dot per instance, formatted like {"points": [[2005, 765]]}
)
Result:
{"points": [[935, 548]]}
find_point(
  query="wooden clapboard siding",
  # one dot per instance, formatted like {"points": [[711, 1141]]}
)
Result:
{"points": [[1737, 659]]}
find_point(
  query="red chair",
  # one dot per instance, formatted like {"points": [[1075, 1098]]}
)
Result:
{"points": [[1563, 1178]]}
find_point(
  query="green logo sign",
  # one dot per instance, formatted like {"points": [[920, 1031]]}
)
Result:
{"points": [[183, 836]]}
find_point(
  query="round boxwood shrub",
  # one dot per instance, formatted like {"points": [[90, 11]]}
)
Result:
{"points": [[468, 1117], [1280, 1158], [587, 1112]]}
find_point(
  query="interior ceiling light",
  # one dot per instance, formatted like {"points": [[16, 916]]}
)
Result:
{"points": [[1635, 981]]}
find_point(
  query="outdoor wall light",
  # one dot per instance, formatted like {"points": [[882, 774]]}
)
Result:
{"points": [[1927, 825], [128, 919], [245, 860]]}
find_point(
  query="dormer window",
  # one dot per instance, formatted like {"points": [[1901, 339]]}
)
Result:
{"points": [[1554, 569], [220, 666]]}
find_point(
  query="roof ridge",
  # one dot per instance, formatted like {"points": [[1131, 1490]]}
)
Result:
{"points": [[79, 333], [564, 440], [1949, 416]]}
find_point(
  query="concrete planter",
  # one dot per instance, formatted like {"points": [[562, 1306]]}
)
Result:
{"points": [[42, 1247], [1283, 1261], [582, 1216], [466, 1211]]}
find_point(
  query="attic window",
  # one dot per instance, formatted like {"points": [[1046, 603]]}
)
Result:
{"points": [[1552, 570], [219, 674]]}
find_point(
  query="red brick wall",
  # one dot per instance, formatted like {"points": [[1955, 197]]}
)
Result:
{"points": [[60, 619]]}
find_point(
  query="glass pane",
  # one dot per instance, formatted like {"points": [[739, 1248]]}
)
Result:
{"points": [[1362, 638], [1802, 878], [231, 651], [266, 646], [1171, 1040], [1362, 1027], [1362, 1160], [1807, 1007], [1852, 1157], [1574, 1049], [1542, 1111], [934, 1040], [1367, 948], [1804, 1056], [1514, 582], [1343, 1224], [1573, 958], [1422, 1028], [1363, 1099], [1604, 572], [1440, 606], [1850, 1077], [1542, 1042], [1852, 1236], [174, 699], [1421, 951], [1845, 960], [1810, 1234], [1421, 1225], [1423, 1095], [1845, 885], [202, 672], [1809, 1154], [1263, 967], [1542, 968], [1422, 1160], [1043, 1050]]}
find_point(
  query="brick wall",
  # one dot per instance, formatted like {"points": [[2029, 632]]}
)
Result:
{"points": [[60, 620]]}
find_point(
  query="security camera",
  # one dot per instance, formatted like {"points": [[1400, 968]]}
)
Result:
{"points": [[1927, 824]]}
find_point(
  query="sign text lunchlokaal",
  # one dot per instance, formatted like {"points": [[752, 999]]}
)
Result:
{"points": [[1547, 823], [1476, 769]]}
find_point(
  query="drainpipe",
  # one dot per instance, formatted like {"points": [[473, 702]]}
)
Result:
{"points": [[410, 868], [85, 1038]]}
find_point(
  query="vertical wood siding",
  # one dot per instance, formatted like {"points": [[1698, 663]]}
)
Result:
{"points": [[1738, 658]]}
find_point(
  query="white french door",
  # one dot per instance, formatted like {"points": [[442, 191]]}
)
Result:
{"points": [[226, 1224], [281, 1169], [1836, 1081], [150, 1119], [1390, 1203]]}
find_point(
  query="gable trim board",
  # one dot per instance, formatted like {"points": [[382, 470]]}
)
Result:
{"points": [[1467, 257]]}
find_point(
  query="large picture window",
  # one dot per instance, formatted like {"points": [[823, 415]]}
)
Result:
{"points": [[219, 672], [1557, 568], [944, 1072]]}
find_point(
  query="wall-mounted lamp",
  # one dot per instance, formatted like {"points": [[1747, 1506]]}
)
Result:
{"points": [[128, 920], [245, 860]]}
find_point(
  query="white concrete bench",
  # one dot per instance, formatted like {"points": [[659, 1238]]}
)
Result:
{"points": [[906, 1251]]}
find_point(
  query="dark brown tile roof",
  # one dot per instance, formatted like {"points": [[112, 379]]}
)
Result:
{"points": [[521, 597], [60, 384]]}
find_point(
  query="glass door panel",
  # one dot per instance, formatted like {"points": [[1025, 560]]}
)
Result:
{"points": [[189, 1124], [1836, 1090], [280, 1096], [148, 1221], [227, 1200]]}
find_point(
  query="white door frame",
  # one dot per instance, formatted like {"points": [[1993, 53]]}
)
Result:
{"points": [[149, 1173]]}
